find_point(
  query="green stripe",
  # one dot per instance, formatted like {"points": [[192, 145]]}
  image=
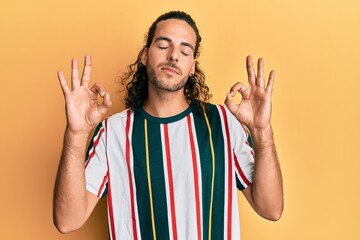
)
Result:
{"points": [[148, 172], [202, 134], [238, 184], [217, 225], [158, 181], [219, 191], [142, 191], [157, 178], [249, 139]]}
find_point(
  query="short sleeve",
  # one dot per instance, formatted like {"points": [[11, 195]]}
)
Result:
{"points": [[96, 167], [244, 158]]}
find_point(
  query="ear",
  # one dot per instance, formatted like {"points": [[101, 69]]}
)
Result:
{"points": [[144, 56]]}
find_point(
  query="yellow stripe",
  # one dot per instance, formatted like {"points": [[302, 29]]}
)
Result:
{"points": [[213, 171], [149, 179]]}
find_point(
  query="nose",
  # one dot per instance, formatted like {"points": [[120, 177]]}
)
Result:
{"points": [[173, 55]]}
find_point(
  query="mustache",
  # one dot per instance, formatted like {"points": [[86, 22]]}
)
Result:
{"points": [[171, 65]]}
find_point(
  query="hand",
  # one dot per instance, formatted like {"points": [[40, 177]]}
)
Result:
{"points": [[254, 110], [83, 112]]}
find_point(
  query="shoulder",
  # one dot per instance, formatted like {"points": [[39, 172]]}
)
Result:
{"points": [[215, 111], [117, 118], [120, 115], [219, 110], [203, 107]]}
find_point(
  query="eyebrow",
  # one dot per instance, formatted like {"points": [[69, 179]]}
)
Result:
{"points": [[169, 40]]}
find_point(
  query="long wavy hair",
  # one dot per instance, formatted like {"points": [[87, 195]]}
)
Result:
{"points": [[136, 78]]}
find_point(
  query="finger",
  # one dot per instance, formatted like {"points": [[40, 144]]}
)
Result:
{"points": [[260, 73], [106, 103], [229, 102], [64, 87], [75, 82], [270, 84], [97, 88], [250, 71], [239, 87], [87, 71]]}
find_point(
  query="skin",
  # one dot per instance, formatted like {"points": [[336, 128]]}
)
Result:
{"points": [[73, 204], [265, 195], [169, 61]]}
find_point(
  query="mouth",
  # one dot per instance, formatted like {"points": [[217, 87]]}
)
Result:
{"points": [[170, 69]]}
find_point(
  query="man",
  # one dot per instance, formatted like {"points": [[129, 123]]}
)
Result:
{"points": [[171, 162]]}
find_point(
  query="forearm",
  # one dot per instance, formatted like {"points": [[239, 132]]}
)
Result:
{"points": [[267, 189], [70, 201]]}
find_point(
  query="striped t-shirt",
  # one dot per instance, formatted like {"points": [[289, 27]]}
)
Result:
{"points": [[171, 178]]}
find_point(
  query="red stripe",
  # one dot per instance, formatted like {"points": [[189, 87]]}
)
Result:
{"points": [[171, 184], [244, 128], [230, 173], [102, 184], [110, 205], [111, 214], [129, 174], [92, 154], [242, 175], [252, 153], [196, 178]]}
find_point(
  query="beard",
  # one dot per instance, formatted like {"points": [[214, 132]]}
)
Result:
{"points": [[165, 84]]}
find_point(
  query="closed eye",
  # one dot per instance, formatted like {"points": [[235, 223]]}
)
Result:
{"points": [[184, 53]]}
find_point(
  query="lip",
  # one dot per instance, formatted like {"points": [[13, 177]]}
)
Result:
{"points": [[170, 69]]}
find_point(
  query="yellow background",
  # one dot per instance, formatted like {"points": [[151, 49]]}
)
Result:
{"points": [[314, 46]]}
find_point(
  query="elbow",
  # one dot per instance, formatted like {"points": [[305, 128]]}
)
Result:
{"points": [[64, 226], [62, 229], [273, 216], [271, 213]]}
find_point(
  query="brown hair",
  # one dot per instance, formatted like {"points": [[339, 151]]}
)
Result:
{"points": [[137, 86]]}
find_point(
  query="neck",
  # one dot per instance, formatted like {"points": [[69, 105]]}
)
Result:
{"points": [[161, 103]]}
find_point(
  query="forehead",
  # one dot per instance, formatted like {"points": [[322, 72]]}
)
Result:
{"points": [[176, 30]]}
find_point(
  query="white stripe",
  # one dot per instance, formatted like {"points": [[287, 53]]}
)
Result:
{"points": [[183, 179], [166, 174], [242, 150], [246, 162], [235, 215], [94, 140], [133, 179], [97, 167], [226, 170], [196, 143], [120, 184], [238, 176]]}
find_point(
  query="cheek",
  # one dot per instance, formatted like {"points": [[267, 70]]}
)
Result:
{"points": [[154, 60], [188, 67]]}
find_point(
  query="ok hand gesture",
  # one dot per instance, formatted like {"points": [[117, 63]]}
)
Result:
{"points": [[254, 110], [83, 112]]}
